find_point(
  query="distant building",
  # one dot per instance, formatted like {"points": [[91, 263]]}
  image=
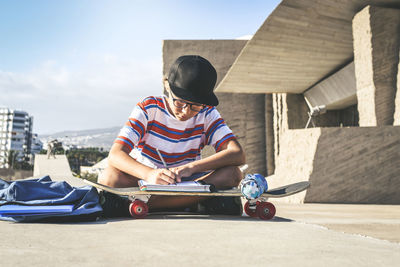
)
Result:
{"points": [[16, 135], [36, 145]]}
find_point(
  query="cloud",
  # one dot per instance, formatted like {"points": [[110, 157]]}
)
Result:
{"points": [[97, 94]]}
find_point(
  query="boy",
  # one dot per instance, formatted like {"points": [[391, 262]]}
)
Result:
{"points": [[179, 126]]}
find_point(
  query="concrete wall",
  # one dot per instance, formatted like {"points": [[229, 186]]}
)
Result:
{"points": [[397, 100], [344, 165], [221, 53], [290, 111], [376, 57], [244, 113], [9, 175], [55, 167], [269, 134]]}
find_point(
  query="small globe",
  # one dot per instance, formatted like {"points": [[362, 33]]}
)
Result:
{"points": [[253, 186]]}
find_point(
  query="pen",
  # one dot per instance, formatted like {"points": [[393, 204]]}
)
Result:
{"points": [[162, 159]]}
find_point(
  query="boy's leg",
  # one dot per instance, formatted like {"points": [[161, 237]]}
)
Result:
{"points": [[113, 177], [223, 178]]}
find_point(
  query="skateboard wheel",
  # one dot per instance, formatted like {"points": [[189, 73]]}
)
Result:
{"points": [[138, 209], [265, 210], [249, 211]]}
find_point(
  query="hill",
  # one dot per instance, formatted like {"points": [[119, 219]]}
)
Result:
{"points": [[103, 138]]}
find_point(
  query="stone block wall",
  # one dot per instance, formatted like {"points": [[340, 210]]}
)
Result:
{"points": [[244, 113], [290, 111], [344, 165], [397, 99], [348, 164], [295, 160], [269, 134], [376, 57], [11, 175], [221, 53]]}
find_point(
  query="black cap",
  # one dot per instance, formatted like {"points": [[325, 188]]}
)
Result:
{"points": [[193, 78]]}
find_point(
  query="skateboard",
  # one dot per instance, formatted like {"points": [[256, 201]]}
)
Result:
{"points": [[258, 207]]}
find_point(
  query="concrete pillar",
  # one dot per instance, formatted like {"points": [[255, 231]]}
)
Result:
{"points": [[376, 57], [269, 134], [397, 101], [297, 111], [289, 112]]}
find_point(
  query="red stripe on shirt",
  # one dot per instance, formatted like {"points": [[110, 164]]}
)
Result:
{"points": [[190, 154], [224, 142], [162, 129], [134, 126], [208, 132], [125, 143]]}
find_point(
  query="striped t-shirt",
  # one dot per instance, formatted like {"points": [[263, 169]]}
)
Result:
{"points": [[151, 126]]}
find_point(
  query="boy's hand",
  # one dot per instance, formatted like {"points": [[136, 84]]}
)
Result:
{"points": [[183, 171], [161, 176]]}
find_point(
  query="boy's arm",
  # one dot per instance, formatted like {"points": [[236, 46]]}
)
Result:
{"points": [[119, 158], [231, 154]]}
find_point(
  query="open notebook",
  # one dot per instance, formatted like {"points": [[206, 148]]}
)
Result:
{"points": [[188, 186]]}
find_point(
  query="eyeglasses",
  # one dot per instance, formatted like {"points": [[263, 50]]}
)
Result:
{"points": [[179, 103]]}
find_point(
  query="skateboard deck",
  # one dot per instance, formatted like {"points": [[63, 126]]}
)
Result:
{"points": [[254, 208], [282, 191]]}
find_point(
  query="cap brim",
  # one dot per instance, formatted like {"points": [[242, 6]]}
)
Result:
{"points": [[210, 100]]}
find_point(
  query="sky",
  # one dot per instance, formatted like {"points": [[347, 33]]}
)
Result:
{"points": [[84, 64]]}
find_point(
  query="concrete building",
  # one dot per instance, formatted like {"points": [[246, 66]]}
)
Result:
{"points": [[310, 56], [15, 135], [246, 121], [36, 144]]}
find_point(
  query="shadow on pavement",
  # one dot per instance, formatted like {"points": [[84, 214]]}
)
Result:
{"points": [[191, 216], [171, 216]]}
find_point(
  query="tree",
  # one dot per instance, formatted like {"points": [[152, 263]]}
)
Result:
{"points": [[84, 157], [16, 162], [12, 156]]}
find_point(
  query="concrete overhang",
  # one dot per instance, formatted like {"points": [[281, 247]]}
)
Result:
{"points": [[300, 43], [335, 92]]}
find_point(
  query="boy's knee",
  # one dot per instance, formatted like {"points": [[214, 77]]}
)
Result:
{"points": [[109, 177], [103, 177], [113, 177], [238, 175], [235, 174]]}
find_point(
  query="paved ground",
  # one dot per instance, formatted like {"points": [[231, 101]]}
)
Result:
{"points": [[57, 168], [300, 235], [378, 221]]}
